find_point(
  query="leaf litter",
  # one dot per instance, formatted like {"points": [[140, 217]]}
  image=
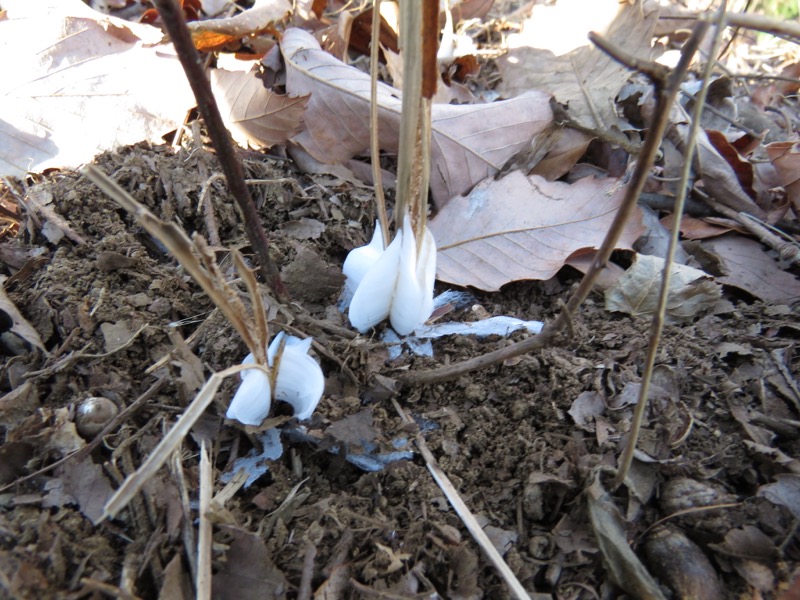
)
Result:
{"points": [[719, 440]]}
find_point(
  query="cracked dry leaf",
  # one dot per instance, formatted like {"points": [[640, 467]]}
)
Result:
{"points": [[636, 293], [77, 82], [254, 115], [522, 227], [469, 142]]}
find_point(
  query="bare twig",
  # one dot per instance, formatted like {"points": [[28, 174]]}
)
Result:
{"points": [[657, 324], [787, 248], [666, 90], [175, 24]]}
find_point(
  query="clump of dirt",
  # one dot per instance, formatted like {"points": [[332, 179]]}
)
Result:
{"points": [[521, 441]]}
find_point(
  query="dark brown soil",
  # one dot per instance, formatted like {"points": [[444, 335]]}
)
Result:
{"points": [[722, 423]]}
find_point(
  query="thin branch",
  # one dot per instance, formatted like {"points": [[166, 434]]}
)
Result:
{"points": [[657, 324], [175, 24], [787, 248], [666, 92]]}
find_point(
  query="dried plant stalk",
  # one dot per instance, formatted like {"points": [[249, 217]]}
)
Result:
{"points": [[134, 482], [204, 538], [659, 317], [206, 275]]}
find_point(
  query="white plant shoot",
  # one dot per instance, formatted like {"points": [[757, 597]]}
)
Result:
{"points": [[396, 283], [296, 379]]}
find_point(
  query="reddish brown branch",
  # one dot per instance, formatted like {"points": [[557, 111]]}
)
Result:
{"points": [[175, 24]]}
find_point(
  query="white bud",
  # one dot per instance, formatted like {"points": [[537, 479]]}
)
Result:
{"points": [[252, 401], [372, 300], [413, 296], [360, 260], [399, 285], [299, 381]]}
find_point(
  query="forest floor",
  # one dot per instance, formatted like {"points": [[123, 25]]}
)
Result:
{"points": [[349, 509]]}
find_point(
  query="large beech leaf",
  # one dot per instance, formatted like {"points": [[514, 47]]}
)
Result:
{"points": [[76, 82], [470, 142], [255, 115], [586, 79], [524, 228]]}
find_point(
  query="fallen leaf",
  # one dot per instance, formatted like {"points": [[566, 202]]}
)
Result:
{"points": [[785, 157], [355, 430], [747, 542], [77, 82], [785, 491], [248, 571], [719, 178], [256, 116], [693, 228], [522, 227], [585, 408], [213, 34], [636, 293], [176, 585], [469, 143], [82, 483], [304, 229], [586, 79], [748, 267], [624, 567]]}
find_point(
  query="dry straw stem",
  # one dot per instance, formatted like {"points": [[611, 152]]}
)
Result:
{"points": [[206, 275], [413, 161], [134, 482], [374, 139], [464, 513], [175, 24], [205, 537], [666, 90], [657, 324]]}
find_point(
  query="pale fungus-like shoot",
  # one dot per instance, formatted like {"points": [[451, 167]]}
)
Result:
{"points": [[396, 282], [295, 378]]}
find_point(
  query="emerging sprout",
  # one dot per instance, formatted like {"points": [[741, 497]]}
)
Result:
{"points": [[296, 378]]}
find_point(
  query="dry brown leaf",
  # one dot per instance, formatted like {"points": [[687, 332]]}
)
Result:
{"points": [[586, 79], [524, 228], [719, 178], [785, 157], [469, 143], [636, 293], [256, 116], [77, 82], [249, 571], [748, 267], [622, 564], [213, 34]]}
